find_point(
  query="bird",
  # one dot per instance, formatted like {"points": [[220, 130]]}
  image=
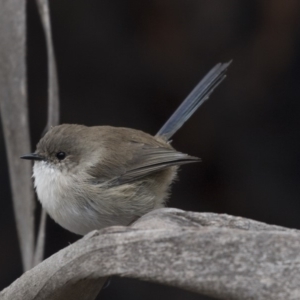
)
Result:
{"points": [[89, 178]]}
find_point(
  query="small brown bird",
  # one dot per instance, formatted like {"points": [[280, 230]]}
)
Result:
{"points": [[89, 178]]}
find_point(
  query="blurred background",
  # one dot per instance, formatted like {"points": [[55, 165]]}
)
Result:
{"points": [[131, 63]]}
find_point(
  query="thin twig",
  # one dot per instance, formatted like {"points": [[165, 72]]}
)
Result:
{"points": [[39, 250], [53, 108], [53, 99]]}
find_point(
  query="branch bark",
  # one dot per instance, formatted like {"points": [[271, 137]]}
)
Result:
{"points": [[217, 255], [14, 116]]}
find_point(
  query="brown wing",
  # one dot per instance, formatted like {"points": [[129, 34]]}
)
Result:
{"points": [[150, 160], [132, 154]]}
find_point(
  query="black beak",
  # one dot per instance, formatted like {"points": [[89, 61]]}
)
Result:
{"points": [[33, 156]]}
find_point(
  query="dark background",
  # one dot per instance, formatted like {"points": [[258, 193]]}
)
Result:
{"points": [[131, 63]]}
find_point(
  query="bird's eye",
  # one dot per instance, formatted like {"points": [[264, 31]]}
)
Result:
{"points": [[61, 155]]}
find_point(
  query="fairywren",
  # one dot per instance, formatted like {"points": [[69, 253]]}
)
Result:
{"points": [[89, 178]]}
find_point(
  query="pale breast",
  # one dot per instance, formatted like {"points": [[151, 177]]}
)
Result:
{"points": [[50, 183], [81, 206], [55, 192]]}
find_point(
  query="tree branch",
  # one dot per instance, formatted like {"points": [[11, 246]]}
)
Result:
{"points": [[217, 255]]}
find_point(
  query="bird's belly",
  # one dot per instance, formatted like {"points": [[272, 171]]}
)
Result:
{"points": [[66, 201], [55, 191], [69, 203], [60, 203]]}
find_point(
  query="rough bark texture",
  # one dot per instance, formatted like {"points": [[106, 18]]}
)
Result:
{"points": [[14, 115], [217, 255]]}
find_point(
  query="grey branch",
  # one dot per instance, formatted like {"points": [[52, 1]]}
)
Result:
{"points": [[40, 243], [53, 110], [14, 115], [217, 255], [53, 99]]}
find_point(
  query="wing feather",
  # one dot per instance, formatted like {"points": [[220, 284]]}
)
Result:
{"points": [[150, 160]]}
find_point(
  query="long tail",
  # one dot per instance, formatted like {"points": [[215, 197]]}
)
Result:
{"points": [[194, 100]]}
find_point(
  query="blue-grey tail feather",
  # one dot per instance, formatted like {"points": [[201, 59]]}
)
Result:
{"points": [[194, 100]]}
